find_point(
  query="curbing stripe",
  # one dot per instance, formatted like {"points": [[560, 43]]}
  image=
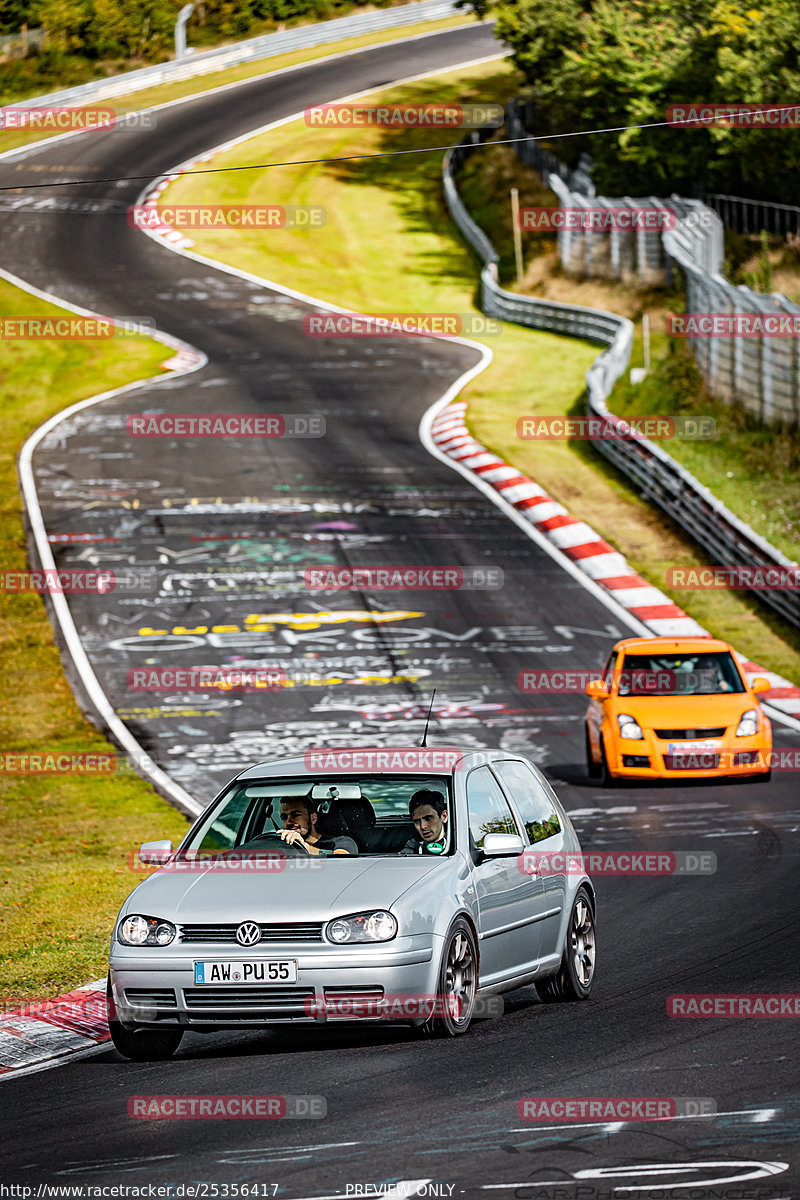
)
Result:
{"points": [[585, 548], [40, 1031]]}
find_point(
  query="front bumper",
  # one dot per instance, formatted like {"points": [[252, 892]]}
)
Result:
{"points": [[731, 757], [156, 988]]}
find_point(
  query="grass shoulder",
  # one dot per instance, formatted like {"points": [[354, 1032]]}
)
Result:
{"points": [[64, 839]]}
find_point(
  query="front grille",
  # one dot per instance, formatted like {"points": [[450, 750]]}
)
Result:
{"points": [[689, 735], [691, 762], [213, 1005], [152, 997], [310, 931]]}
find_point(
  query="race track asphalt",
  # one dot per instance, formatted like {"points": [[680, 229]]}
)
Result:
{"points": [[220, 521]]}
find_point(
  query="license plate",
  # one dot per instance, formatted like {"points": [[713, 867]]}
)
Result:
{"points": [[693, 747], [264, 970]]}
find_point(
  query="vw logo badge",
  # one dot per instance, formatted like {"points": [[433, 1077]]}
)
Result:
{"points": [[248, 933]]}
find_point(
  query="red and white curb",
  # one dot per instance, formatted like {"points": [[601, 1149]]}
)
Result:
{"points": [[161, 229], [184, 360], [41, 1031], [584, 547]]}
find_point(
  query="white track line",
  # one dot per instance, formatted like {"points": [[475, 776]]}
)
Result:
{"points": [[114, 726], [116, 729]]}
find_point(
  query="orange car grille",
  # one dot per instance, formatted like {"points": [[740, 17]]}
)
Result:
{"points": [[689, 735]]}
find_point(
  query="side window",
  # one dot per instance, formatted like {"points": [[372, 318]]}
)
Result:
{"points": [[538, 811], [226, 831], [487, 807], [608, 669]]}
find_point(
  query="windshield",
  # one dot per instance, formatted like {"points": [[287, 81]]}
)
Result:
{"points": [[700, 674], [341, 815]]}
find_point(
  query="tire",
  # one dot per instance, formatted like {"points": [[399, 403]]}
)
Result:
{"points": [[458, 978], [575, 976], [593, 769], [605, 778], [140, 1044]]}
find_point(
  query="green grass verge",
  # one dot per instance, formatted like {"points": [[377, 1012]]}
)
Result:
{"points": [[389, 245], [63, 839], [163, 93], [751, 467]]}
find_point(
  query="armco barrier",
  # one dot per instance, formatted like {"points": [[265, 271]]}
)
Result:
{"points": [[727, 539], [266, 46], [758, 373]]}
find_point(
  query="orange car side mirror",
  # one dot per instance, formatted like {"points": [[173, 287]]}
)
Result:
{"points": [[760, 684], [597, 689]]}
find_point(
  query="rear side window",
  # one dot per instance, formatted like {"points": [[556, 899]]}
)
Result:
{"points": [[535, 805], [487, 807]]}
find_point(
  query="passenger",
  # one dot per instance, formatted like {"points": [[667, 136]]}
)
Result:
{"points": [[428, 811], [299, 818]]}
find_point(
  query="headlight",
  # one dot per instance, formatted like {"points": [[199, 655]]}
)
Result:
{"points": [[362, 927], [145, 931], [629, 727], [748, 725]]}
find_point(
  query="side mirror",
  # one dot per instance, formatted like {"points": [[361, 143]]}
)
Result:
{"points": [[502, 845], [155, 852], [597, 689], [760, 684]]}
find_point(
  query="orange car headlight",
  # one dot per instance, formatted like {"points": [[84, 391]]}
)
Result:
{"points": [[748, 724], [629, 727]]}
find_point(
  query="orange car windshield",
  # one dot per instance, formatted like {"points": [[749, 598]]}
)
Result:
{"points": [[679, 675]]}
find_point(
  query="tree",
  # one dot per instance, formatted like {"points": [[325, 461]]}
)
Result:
{"points": [[621, 64], [13, 15]]}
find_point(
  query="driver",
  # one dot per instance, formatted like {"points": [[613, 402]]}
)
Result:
{"points": [[428, 811], [299, 818]]}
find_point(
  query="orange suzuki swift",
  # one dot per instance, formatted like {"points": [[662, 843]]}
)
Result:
{"points": [[675, 708]]}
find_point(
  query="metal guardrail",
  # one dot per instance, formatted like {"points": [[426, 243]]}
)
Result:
{"points": [[266, 46], [660, 479], [751, 216], [606, 329], [759, 372]]}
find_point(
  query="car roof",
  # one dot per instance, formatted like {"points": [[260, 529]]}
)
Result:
{"points": [[297, 765], [667, 645]]}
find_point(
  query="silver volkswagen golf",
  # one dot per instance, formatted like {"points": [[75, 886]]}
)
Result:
{"points": [[355, 885]]}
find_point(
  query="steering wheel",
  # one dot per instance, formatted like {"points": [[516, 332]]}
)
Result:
{"points": [[290, 849]]}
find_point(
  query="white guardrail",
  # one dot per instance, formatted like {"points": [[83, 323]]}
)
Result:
{"points": [[759, 372], [658, 477], [266, 46]]}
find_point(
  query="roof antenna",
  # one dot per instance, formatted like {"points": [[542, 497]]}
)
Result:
{"points": [[424, 743]]}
